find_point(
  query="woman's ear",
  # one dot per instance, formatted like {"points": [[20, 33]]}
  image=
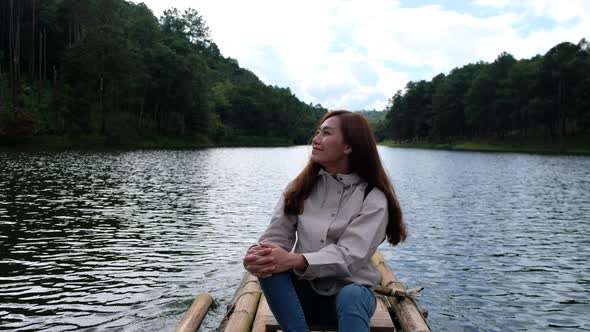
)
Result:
{"points": [[348, 149]]}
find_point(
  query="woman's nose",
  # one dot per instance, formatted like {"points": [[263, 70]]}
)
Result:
{"points": [[316, 139]]}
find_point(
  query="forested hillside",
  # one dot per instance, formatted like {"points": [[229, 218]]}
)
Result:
{"points": [[110, 68], [545, 96]]}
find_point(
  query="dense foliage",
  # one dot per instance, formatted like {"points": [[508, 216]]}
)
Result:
{"points": [[111, 68], [545, 96]]}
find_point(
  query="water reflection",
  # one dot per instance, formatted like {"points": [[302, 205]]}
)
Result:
{"points": [[126, 239]]}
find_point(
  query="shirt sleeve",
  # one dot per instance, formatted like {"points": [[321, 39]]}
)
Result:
{"points": [[357, 244], [282, 228]]}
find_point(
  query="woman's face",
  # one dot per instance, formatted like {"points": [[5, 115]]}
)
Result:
{"points": [[329, 148]]}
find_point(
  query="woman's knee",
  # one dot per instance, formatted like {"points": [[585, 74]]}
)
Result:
{"points": [[275, 280], [354, 291], [354, 297]]}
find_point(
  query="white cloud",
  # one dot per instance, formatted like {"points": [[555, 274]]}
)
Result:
{"points": [[493, 3], [330, 51], [559, 10]]}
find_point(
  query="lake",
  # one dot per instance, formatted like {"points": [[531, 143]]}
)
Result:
{"points": [[125, 240]]}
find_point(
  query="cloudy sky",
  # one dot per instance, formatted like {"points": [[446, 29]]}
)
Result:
{"points": [[355, 54]]}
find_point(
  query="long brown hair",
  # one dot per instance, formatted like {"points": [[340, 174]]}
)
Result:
{"points": [[364, 160]]}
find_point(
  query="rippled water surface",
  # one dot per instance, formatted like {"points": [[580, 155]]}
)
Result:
{"points": [[125, 240]]}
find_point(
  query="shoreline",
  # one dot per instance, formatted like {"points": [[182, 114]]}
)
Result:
{"points": [[100, 143], [570, 147]]}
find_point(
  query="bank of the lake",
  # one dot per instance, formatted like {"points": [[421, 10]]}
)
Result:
{"points": [[571, 146], [577, 146], [90, 142]]}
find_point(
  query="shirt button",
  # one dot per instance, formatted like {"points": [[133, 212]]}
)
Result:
{"points": [[322, 241], [333, 214], [339, 191]]}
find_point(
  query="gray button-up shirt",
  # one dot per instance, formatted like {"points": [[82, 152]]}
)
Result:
{"points": [[338, 232]]}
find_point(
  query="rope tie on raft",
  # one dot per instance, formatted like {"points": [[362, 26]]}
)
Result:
{"points": [[399, 295], [232, 307]]}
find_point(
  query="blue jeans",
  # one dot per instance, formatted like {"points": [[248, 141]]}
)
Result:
{"points": [[295, 304]]}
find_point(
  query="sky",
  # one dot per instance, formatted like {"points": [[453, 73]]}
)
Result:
{"points": [[355, 54]]}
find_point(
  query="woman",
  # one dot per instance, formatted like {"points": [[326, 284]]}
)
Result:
{"points": [[314, 260]]}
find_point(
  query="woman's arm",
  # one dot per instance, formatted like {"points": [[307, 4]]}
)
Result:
{"points": [[282, 228], [280, 233]]}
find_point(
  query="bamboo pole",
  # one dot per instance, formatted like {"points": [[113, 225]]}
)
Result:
{"points": [[406, 311], [241, 312], [191, 321], [263, 315]]}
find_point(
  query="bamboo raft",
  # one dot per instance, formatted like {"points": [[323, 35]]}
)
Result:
{"points": [[249, 312]]}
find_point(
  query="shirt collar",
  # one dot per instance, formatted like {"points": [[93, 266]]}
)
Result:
{"points": [[346, 179]]}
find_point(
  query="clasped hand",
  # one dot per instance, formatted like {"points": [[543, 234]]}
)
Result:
{"points": [[264, 259]]}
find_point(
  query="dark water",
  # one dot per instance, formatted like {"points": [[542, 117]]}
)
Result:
{"points": [[125, 240]]}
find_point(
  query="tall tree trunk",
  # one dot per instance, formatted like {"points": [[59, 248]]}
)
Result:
{"points": [[1, 78], [17, 51], [157, 118], [140, 118], [44, 54], [69, 33], [11, 55], [41, 37], [563, 106], [40, 78], [59, 116], [33, 26], [102, 115], [3, 26], [78, 28], [526, 123], [141, 109]]}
